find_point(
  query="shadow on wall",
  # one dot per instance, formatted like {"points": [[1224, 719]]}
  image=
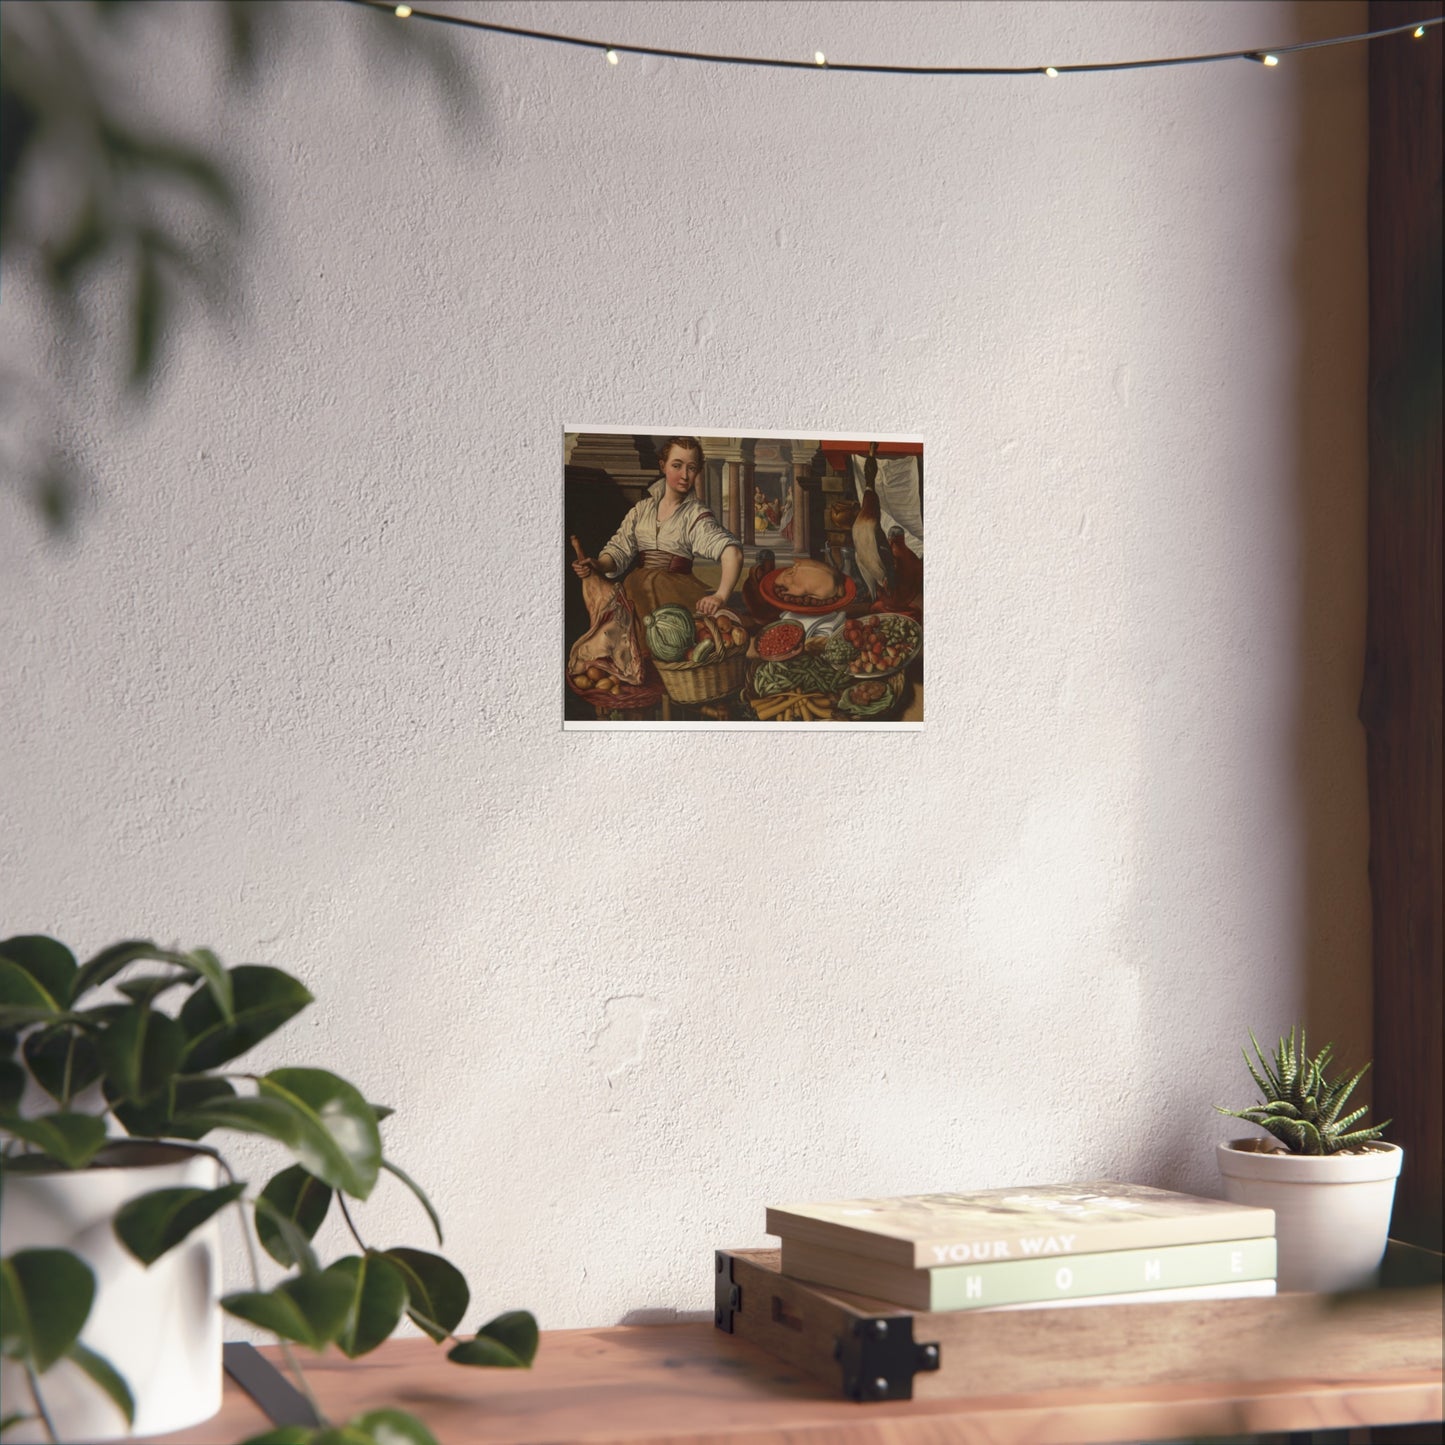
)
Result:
{"points": [[1331, 303], [1324, 905]]}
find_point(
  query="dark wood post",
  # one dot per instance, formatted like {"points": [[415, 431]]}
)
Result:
{"points": [[1400, 701]]}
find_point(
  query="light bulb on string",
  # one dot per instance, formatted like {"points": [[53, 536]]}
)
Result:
{"points": [[1260, 57]]}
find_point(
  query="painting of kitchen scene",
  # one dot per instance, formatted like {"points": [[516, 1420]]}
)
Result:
{"points": [[742, 580]]}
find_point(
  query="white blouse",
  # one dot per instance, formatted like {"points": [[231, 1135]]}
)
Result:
{"points": [[691, 531]]}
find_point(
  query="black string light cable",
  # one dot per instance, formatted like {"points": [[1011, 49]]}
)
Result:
{"points": [[613, 50]]}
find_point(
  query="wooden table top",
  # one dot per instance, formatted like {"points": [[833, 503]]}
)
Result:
{"points": [[691, 1384]]}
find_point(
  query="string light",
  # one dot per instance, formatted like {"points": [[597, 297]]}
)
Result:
{"points": [[612, 57], [1261, 56]]}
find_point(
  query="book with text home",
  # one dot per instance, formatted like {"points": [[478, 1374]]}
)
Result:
{"points": [[924, 1231], [1031, 1281]]}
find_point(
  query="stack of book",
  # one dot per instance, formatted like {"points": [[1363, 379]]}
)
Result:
{"points": [[1031, 1247]]}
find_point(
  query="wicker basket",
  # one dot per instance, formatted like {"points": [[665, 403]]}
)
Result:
{"points": [[695, 682]]}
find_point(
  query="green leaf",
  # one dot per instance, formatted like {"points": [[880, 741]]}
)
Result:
{"points": [[298, 1197], [332, 1145], [109, 962], [14, 1323], [210, 968], [148, 989], [284, 1435], [382, 1111], [73, 1139], [264, 998], [186, 1094], [378, 1296], [295, 1243], [269, 1117], [416, 1189], [340, 1143], [341, 1435], [310, 1310], [104, 1374], [392, 1427], [142, 1051], [63, 1060], [151, 1224], [161, 1117], [50, 964], [437, 1293], [23, 999], [150, 1120], [507, 1342], [12, 1086], [45, 1299]]}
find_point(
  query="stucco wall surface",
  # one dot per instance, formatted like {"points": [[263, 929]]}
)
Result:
{"points": [[291, 688]]}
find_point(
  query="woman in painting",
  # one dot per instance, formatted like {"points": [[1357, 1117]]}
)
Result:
{"points": [[662, 534]]}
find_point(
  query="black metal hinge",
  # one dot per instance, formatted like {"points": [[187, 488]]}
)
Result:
{"points": [[280, 1401], [880, 1358], [727, 1296]]}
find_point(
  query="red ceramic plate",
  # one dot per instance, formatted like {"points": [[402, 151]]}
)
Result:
{"points": [[770, 595]]}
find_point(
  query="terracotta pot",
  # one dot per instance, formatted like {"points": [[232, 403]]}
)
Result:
{"points": [[1331, 1211], [160, 1327]]}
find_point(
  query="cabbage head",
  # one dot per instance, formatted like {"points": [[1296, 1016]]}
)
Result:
{"points": [[670, 632]]}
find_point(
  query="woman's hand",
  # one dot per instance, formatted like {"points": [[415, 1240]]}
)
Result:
{"points": [[711, 603], [588, 566]]}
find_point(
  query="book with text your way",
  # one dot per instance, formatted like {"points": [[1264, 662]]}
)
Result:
{"points": [[992, 1226]]}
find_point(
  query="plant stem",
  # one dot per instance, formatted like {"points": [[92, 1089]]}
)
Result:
{"points": [[291, 1361], [346, 1215], [39, 1403], [69, 1068]]}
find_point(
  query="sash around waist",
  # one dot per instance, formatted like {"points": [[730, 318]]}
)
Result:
{"points": [[665, 562]]}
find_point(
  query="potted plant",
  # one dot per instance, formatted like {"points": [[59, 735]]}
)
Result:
{"points": [[1331, 1186], [112, 1085]]}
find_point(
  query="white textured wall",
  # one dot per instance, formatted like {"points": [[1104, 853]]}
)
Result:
{"points": [[293, 690]]}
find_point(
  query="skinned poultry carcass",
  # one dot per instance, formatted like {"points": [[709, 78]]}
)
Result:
{"points": [[870, 546], [611, 641]]}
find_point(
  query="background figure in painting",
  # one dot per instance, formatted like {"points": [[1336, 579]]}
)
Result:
{"points": [[663, 533]]}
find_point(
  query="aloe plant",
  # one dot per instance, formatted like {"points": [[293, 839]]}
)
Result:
{"points": [[1301, 1107], [171, 1075]]}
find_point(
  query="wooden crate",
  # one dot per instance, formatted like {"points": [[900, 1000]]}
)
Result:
{"points": [[871, 1350]]}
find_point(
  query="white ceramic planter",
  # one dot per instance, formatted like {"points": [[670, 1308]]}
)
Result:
{"points": [[1331, 1212], [160, 1327]]}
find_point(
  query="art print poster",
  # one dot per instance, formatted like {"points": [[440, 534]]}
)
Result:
{"points": [[725, 580]]}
